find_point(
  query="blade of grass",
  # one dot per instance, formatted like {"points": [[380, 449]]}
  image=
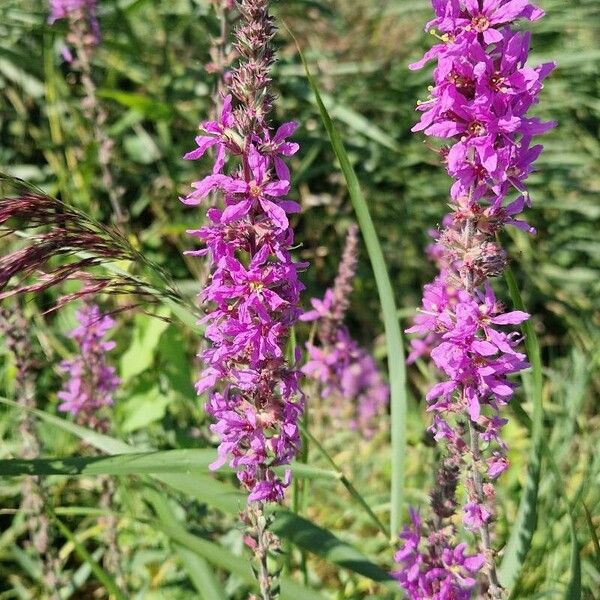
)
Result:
{"points": [[525, 523], [201, 575], [346, 482], [322, 542], [168, 461], [103, 577], [573, 591], [574, 588], [393, 334], [593, 534], [214, 553]]}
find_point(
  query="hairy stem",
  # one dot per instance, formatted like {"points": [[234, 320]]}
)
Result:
{"points": [[97, 116], [494, 589], [112, 556], [264, 543]]}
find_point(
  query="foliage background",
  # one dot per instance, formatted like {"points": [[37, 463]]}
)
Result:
{"points": [[151, 77]]}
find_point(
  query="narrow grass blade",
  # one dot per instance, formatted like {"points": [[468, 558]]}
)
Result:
{"points": [[169, 461], [305, 534], [100, 441], [393, 334], [574, 588], [525, 524], [201, 575], [593, 534], [573, 591], [103, 577], [346, 482]]}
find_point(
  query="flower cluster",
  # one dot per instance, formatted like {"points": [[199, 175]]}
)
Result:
{"points": [[347, 373], [433, 567], [478, 105], [253, 292], [92, 382], [86, 10], [483, 90], [350, 378], [477, 359]]}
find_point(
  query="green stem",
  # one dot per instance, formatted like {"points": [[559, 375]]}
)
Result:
{"points": [[346, 482]]}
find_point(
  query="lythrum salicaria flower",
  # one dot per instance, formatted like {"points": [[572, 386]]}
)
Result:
{"points": [[478, 110], [74, 10], [91, 382], [347, 374], [253, 292], [433, 566]]}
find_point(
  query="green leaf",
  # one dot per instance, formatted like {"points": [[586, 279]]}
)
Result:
{"points": [[175, 363], [215, 554], [146, 335], [103, 577], [323, 543], [395, 349], [191, 461], [206, 489], [143, 408], [593, 534], [201, 575], [152, 109], [148, 463], [573, 591], [525, 523]]}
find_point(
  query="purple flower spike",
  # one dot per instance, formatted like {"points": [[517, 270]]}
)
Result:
{"points": [[433, 567], [92, 382], [252, 295], [478, 110], [347, 375]]}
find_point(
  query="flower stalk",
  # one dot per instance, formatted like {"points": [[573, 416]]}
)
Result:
{"points": [[252, 295], [82, 38], [483, 90], [14, 327], [345, 372]]}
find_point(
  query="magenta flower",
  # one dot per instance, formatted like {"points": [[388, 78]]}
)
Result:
{"points": [[62, 9], [348, 376], [92, 382], [478, 109], [253, 292], [76, 9], [475, 515], [246, 195], [432, 567], [220, 134]]}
